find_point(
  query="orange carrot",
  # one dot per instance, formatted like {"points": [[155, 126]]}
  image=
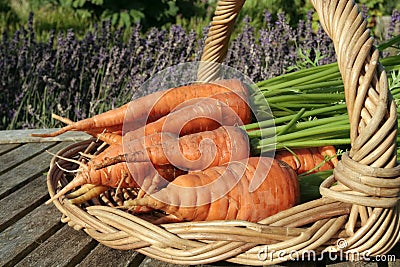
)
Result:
{"points": [[151, 107], [308, 159], [99, 123], [203, 114], [197, 151], [122, 175], [112, 136], [119, 176], [117, 148], [251, 189], [329, 152]]}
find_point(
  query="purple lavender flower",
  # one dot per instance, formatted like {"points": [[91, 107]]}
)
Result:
{"points": [[364, 11], [394, 25], [79, 77]]}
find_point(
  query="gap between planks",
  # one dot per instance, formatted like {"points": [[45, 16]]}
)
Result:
{"points": [[21, 202], [23, 153], [28, 233], [4, 148], [25, 172]]}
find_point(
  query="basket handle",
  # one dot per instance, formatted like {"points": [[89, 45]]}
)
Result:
{"points": [[371, 108], [216, 44]]}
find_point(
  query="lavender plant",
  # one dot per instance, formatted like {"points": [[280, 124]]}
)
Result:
{"points": [[77, 78], [272, 50], [80, 77]]}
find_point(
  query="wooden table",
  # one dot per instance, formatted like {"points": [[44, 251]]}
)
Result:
{"points": [[31, 233]]}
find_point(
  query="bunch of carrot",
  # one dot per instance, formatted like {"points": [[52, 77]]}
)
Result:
{"points": [[188, 152], [196, 154]]}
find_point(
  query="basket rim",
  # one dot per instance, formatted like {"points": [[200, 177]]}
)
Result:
{"points": [[365, 221]]}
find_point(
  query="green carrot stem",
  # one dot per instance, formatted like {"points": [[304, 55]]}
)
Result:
{"points": [[395, 92], [300, 144], [315, 143], [322, 84], [336, 130], [326, 77], [305, 86], [307, 133], [392, 41], [318, 98], [279, 107], [302, 80], [300, 73], [298, 105], [304, 143], [332, 87], [390, 61], [304, 126], [320, 124], [310, 113], [292, 122], [315, 178], [305, 73], [392, 68]]}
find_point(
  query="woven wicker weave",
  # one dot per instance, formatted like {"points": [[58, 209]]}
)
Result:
{"points": [[361, 210]]}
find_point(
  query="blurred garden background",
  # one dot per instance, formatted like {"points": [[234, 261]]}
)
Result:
{"points": [[77, 58]]}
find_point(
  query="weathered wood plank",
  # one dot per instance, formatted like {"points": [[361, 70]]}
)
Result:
{"points": [[16, 205], [23, 136], [353, 264], [7, 147], [393, 257], [64, 248], [301, 264], [21, 238], [21, 154], [283, 264], [150, 262], [105, 256], [395, 263], [27, 171]]}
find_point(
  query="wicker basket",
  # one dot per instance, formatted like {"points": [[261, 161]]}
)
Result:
{"points": [[359, 214]]}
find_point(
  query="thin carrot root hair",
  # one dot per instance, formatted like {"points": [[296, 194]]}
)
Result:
{"points": [[62, 119], [86, 155], [81, 164], [108, 137], [66, 170], [82, 190], [54, 134], [90, 193], [77, 181]]}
